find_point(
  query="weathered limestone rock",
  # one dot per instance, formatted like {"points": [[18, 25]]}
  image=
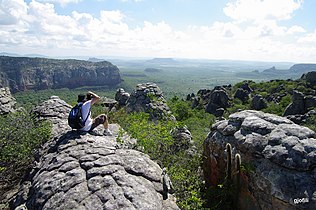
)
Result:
{"points": [[218, 99], [258, 102], [297, 106], [280, 157], [183, 138], [109, 104], [310, 77], [246, 87], [56, 111], [149, 98], [122, 97], [7, 101], [242, 94], [90, 171]]}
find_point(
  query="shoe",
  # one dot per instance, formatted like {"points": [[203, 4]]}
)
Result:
{"points": [[107, 133]]}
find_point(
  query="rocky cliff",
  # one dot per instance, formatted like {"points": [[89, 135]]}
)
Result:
{"points": [[302, 68], [90, 171], [7, 102], [22, 73], [278, 158]]}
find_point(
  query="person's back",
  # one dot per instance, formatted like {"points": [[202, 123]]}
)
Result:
{"points": [[87, 102]]}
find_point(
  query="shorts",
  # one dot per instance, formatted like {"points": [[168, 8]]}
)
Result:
{"points": [[101, 119]]}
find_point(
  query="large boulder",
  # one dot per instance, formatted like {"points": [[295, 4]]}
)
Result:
{"points": [[90, 171], [56, 111], [218, 99], [310, 77], [149, 98], [278, 156], [122, 97], [242, 94], [258, 102], [297, 106], [7, 101]]}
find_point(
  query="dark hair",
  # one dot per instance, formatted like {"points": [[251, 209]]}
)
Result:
{"points": [[89, 96], [81, 98]]}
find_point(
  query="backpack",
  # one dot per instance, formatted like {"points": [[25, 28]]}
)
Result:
{"points": [[75, 120]]}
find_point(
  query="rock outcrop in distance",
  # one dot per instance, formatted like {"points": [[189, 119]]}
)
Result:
{"points": [[278, 157], [23, 73], [7, 102], [148, 97], [91, 171]]}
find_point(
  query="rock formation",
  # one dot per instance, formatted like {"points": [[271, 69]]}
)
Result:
{"points": [[218, 100], [90, 171], [300, 104], [297, 106], [122, 97], [182, 137], [258, 102], [7, 102], [302, 68], [21, 74], [278, 156], [213, 101], [149, 98], [310, 77], [242, 94]]}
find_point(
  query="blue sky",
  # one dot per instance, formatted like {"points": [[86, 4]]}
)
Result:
{"points": [[264, 30]]}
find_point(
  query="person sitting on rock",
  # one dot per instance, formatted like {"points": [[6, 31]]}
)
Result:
{"points": [[87, 101]]}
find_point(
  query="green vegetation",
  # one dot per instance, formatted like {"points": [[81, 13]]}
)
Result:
{"points": [[155, 139], [20, 136], [278, 93], [31, 98]]}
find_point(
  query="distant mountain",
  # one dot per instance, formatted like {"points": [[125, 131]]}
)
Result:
{"points": [[271, 70], [303, 68], [26, 55], [162, 61], [9, 54], [95, 60], [24, 73]]}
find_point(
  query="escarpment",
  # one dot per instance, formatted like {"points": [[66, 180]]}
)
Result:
{"points": [[90, 171], [22, 73]]}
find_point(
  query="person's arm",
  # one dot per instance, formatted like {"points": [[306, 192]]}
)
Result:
{"points": [[95, 97]]}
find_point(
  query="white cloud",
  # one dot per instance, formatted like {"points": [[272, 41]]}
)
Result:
{"points": [[37, 28], [309, 38], [296, 29], [132, 0], [11, 11], [61, 2], [258, 10]]}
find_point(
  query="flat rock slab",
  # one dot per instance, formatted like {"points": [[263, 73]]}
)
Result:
{"points": [[90, 171]]}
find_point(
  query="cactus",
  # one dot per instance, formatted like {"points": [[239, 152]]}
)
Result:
{"points": [[238, 163], [233, 177], [238, 172], [229, 163]]}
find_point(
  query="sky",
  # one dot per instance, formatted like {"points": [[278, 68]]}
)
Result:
{"points": [[260, 30]]}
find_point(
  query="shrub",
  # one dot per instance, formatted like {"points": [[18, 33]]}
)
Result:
{"points": [[156, 140], [20, 136]]}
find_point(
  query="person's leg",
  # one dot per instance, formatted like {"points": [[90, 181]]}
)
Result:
{"points": [[101, 119]]}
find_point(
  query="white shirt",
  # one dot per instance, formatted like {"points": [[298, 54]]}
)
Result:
{"points": [[85, 112]]}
